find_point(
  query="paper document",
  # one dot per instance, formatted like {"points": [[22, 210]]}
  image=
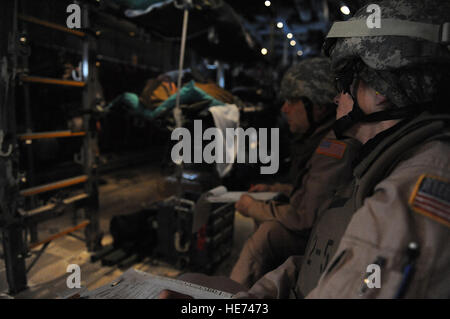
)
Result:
{"points": [[135, 284], [221, 195]]}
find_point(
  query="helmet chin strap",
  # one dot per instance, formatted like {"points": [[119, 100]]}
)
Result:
{"points": [[349, 120], [313, 123], [310, 115], [357, 115]]}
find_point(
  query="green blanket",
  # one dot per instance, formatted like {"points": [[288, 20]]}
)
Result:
{"points": [[189, 94]]}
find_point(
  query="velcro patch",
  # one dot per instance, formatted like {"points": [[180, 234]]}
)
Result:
{"points": [[331, 148], [431, 197]]}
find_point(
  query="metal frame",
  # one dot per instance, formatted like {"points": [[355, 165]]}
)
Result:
{"points": [[14, 219]]}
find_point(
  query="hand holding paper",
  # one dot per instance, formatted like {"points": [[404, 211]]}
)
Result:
{"points": [[243, 204]]}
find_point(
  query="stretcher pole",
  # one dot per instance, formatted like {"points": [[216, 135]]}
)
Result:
{"points": [[177, 110]]}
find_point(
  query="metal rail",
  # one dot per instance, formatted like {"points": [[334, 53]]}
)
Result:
{"points": [[46, 208], [52, 186], [50, 25], [54, 134], [58, 235], [44, 80]]}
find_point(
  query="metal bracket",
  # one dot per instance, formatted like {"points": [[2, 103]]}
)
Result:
{"points": [[445, 33], [4, 69], [177, 243], [183, 4], [10, 147], [79, 158]]}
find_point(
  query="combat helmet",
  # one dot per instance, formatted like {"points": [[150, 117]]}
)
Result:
{"points": [[405, 57], [312, 82]]}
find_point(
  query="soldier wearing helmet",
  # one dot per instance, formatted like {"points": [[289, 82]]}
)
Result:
{"points": [[284, 227], [385, 234], [308, 91]]}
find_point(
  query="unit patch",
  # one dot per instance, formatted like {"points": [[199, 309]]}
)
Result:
{"points": [[332, 148], [431, 197]]}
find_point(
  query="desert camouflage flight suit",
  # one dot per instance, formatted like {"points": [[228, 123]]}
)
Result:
{"points": [[303, 151], [285, 230], [400, 224]]}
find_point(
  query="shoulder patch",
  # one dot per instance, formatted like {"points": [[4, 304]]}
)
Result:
{"points": [[431, 197], [332, 148]]}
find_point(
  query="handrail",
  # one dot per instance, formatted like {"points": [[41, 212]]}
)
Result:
{"points": [[52, 186], [58, 235], [49, 207], [50, 25], [44, 80], [54, 134]]}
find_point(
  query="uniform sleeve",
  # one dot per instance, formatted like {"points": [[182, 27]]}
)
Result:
{"points": [[381, 230], [265, 211], [277, 284], [318, 186]]}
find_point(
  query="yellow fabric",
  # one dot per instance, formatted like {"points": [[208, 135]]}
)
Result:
{"points": [[216, 92], [153, 97], [164, 91]]}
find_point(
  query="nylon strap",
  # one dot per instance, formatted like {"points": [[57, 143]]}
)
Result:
{"points": [[392, 27]]}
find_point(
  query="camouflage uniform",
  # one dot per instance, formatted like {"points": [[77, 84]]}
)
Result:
{"points": [[285, 229], [285, 226], [396, 212], [312, 79], [302, 148], [309, 79]]}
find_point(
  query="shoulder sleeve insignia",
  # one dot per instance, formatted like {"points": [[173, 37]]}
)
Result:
{"points": [[431, 197], [332, 148]]}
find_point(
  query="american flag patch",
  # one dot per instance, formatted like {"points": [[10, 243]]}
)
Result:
{"points": [[331, 148], [431, 197]]}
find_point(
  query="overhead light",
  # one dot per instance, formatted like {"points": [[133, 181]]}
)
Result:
{"points": [[299, 52], [280, 25], [293, 43], [345, 10], [289, 35], [97, 64], [264, 51], [267, 3], [23, 39], [132, 34], [98, 32]]}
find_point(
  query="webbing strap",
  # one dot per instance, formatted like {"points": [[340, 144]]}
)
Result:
{"points": [[358, 28]]}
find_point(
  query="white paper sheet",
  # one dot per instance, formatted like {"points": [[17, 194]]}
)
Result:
{"points": [[135, 284], [230, 197]]}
